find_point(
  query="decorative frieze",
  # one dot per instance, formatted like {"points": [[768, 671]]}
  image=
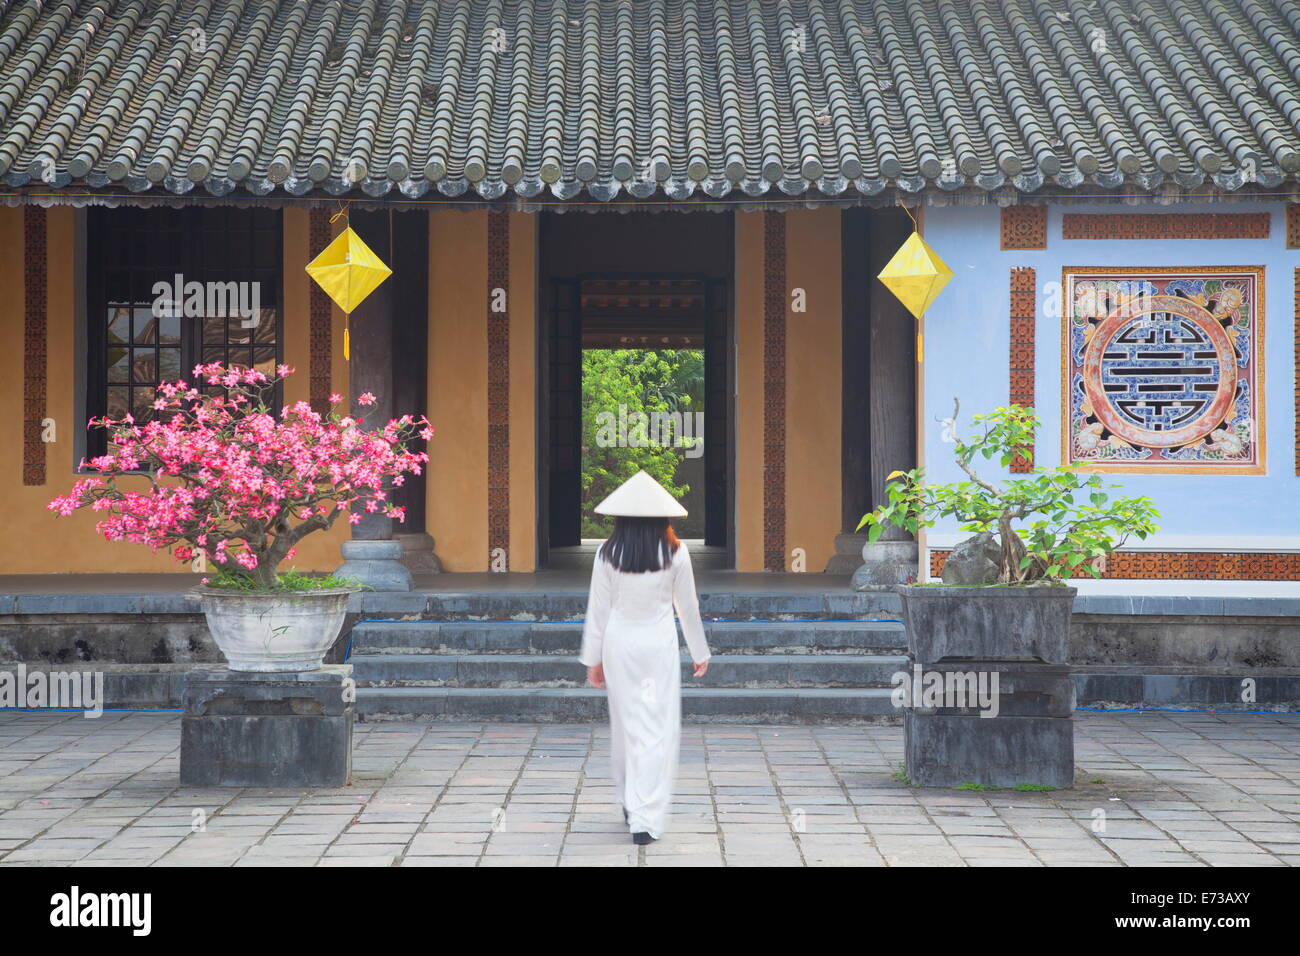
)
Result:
{"points": [[1156, 225], [498, 386], [1185, 565], [1293, 226], [35, 341], [1024, 227], [320, 330], [1023, 290], [774, 305]]}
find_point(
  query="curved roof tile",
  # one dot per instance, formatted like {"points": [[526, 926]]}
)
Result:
{"points": [[684, 98]]}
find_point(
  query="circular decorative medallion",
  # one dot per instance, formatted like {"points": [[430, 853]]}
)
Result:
{"points": [[1160, 371]]}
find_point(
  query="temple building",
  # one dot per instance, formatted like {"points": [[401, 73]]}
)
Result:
{"points": [[1115, 186]]}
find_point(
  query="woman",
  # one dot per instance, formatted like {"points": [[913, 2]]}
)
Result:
{"points": [[629, 644]]}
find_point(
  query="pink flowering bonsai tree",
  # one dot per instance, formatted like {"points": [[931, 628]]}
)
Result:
{"points": [[214, 471]]}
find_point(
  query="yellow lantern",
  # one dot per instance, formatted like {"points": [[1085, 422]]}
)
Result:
{"points": [[916, 275], [348, 270]]}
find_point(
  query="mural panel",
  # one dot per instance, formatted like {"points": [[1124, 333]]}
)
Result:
{"points": [[1162, 369]]}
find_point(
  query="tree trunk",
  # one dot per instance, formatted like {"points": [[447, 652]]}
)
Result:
{"points": [[1013, 551]]}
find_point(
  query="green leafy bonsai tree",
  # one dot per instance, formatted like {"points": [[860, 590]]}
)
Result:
{"points": [[1053, 524]]}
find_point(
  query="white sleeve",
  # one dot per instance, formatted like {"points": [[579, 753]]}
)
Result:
{"points": [[598, 608], [687, 603]]}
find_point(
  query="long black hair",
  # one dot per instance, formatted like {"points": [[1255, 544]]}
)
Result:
{"points": [[640, 544]]}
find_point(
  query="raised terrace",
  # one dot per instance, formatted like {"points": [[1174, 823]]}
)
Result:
{"points": [[504, 646]]}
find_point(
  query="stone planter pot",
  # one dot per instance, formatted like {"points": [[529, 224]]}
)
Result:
{"points": [[1012, 642], [273, 631], [988, 623]]}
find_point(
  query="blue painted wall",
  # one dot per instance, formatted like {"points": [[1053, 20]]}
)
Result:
{"points": [[967, 354]]}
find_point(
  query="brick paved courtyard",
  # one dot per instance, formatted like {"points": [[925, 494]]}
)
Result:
{"points": [[1153, 789]]}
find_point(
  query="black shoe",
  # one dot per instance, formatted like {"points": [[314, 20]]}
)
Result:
{"points": [[642, 839]]}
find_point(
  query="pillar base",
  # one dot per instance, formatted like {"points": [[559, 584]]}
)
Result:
{"points": [[375, 564], [418, 555], [848, 553], [886, 564]]}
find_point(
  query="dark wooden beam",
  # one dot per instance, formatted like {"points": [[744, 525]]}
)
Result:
{"points": [[892, 364], [410, 278], [371, 365]]}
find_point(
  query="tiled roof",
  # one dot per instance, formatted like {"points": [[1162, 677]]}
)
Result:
{"points": [[694, 98]]}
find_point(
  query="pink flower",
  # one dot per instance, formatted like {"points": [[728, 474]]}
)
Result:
{"points": [[233, 478], [365, 398]]}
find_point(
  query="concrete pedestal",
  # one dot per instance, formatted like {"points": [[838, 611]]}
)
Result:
{"points": [[377, 564], [886, 564], [1027, 737], [267, 730], [1002, 751]]}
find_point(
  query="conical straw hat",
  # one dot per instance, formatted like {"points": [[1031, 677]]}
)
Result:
{"points": [[641, 497]]}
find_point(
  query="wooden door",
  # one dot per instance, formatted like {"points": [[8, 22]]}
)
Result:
{"points": [[564, 417]]}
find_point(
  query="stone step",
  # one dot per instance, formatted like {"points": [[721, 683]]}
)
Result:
{"points": [[757, 705], [1103, 687], [565, 638], [527, 669], [567, 603], [160, 686], [725, 670]]}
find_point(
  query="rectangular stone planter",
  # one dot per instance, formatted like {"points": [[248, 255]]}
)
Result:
{"points": [[1021, 637], [989, 623], [244, 729]]}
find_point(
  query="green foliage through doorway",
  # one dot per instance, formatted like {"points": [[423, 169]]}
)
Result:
{"points": [[621, 383]]}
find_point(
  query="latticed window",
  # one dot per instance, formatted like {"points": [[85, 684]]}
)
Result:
{"points": [[170, 288]]}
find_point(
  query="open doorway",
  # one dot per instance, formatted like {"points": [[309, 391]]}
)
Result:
{"points": [[635, 373], [643, 407]]}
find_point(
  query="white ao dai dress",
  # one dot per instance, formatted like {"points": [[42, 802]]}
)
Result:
{"points": [[630, 628]]}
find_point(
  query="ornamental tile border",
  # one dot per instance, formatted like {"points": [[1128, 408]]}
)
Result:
{"points": [[1184, 565], [774, 305], [35, 336], [1023, 289], [1158, 225], [320, 331], [498, 384], [1293, 226], [1024, 227]]}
